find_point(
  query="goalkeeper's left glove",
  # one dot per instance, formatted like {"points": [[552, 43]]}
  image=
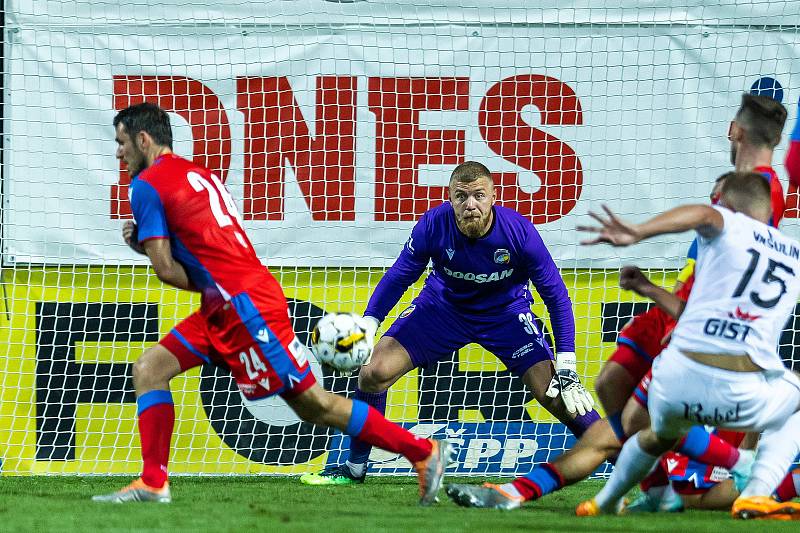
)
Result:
{"points": [[568, 384], [370, 330]]}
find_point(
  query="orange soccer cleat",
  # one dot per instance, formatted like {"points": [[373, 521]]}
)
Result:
{"points": [[591, 508], [764, 508], [588, 508]]}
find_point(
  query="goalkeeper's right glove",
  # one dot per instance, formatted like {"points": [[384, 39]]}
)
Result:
{"points": [[371, 329], [567, 383]]}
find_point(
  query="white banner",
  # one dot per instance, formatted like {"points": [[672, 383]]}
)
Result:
{"points": [[334, 140], [91, 13]]}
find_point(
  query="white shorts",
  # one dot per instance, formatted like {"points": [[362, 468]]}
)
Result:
{"points": [[684, 393]]}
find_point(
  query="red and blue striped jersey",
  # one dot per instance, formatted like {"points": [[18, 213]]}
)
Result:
{"points": [[792, 161], [778, 199], [178, 200]]}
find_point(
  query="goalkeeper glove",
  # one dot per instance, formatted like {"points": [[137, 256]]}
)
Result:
{"points": [[370, 330], [567, 383]]}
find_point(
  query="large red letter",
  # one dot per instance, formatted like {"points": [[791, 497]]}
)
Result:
{"points": [[553, 161], [190, 99], [401, 146], [275, 131]]}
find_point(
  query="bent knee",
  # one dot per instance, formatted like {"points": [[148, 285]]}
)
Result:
{"points": [[375, 378], [155, 365], [144, 367], [389, 362]]}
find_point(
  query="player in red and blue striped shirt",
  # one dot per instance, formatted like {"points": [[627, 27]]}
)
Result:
{"points": [[188, 226]]}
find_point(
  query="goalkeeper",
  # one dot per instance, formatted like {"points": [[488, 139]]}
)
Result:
{"points": [[477, 292]]}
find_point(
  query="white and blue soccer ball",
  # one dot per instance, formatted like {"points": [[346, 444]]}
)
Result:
{"points": [[339, 340]]}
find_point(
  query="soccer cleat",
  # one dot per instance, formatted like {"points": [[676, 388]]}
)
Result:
{"points": [[488, 496], [137, 491], [649, 503], [333, 475], [764, 508], [588, 508], [741, 475], [591, 508], [430, 471]]}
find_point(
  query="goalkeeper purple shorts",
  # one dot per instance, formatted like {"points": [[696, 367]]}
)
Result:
{"points": [[431, 330]]}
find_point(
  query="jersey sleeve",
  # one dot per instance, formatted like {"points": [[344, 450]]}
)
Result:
{"points": [[544, 274], [407, 269], [148, 211], [728, 224]]}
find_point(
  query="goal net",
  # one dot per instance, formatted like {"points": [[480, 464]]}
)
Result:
{"points": [[335, 125]]}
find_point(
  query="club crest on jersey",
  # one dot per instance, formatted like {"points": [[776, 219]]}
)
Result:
{"points": [[501, 256], [450, 253], [407, 311]]}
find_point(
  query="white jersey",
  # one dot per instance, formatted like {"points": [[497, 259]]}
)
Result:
{"points": [[747, 281]]}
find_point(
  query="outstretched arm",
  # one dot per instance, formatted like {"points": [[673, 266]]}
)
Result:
{"points": [[544, 274], [407, 269], [632, 279], [706, 220]]}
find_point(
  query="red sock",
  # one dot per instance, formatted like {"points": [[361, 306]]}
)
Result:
{"points": [[541, 481], [384, 434], [155, 430], [527, 488], [656, 478], [718, 453], [789, 487]]}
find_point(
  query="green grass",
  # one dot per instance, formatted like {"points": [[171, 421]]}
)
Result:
{"points": [[282, 504]]}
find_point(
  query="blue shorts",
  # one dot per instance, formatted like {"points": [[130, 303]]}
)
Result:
{"points": [[431, 330]]}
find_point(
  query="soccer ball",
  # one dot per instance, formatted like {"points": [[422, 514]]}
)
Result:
{"points": [[339, 341]]}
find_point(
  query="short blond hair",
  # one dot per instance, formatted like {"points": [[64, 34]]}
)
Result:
{"points": [[469, 171]]}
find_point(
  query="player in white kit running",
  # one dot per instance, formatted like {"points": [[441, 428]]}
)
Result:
{"points": [[721, 367]]}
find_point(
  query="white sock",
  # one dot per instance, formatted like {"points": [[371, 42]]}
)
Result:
{"points": [[632, 466], [509, 488], [776, 452], [744, 461], [356, 469], [669, 495]]}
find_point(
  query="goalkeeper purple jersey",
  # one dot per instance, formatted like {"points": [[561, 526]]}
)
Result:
{"points": [[484, 276]]}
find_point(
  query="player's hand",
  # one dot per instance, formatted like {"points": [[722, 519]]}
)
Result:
{"points": [[613, 230], [370, 331], [567, 383], [632, 279], [130, 234]]}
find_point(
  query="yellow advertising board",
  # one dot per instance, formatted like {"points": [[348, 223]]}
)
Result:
{"points": [[71, 334]]}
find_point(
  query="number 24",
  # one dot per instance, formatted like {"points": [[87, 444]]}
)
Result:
{"points": [[217, 195]]}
